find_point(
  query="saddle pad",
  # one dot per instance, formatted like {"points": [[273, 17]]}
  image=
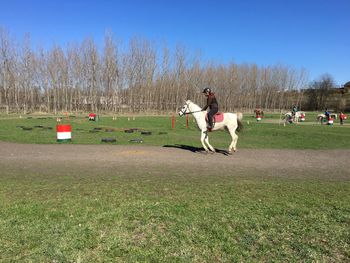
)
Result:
{"points": [[218, 117]]}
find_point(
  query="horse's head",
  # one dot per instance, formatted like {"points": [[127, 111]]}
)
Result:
{"points": [[184, 109]]}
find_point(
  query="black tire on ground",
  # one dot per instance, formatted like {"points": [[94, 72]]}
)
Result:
{"points": [[136, 140], [108, 140]]}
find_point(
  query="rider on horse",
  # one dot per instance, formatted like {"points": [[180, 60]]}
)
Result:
{"points": [[212, 104], [294, 110], [327, 113]]}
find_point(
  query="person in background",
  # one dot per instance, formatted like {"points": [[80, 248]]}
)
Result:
{"points": [[212, 104], [327, 113], [294, 110], [342, 117]]}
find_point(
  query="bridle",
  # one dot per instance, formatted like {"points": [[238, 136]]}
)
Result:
{"points": [[183, 112]]}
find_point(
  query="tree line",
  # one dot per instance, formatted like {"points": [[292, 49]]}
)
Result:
{"points": [[141, 76]]}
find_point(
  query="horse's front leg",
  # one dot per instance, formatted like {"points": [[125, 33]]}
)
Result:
{"points": [[206, 140], [204, 137]]}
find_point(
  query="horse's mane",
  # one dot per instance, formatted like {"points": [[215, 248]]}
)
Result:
{"points": [[195, 106]]}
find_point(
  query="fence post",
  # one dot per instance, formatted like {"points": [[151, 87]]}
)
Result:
{"points": [[173, 122]]}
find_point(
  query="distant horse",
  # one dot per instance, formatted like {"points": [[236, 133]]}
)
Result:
{"points": [[288, 117], [299, 115], [231, 121], [321, 117]]}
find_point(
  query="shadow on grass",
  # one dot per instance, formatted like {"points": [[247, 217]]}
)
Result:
{"points": [[194, 149]]}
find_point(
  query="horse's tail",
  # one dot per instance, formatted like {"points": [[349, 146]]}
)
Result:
{"points": [[239, 121]]}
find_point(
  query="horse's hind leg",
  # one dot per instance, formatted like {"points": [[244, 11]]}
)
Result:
{"points": [[234, 137]]}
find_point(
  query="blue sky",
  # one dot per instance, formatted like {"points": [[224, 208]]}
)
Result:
{"points": [[309, 34]]}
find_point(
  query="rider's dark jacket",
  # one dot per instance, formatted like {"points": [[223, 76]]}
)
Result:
{"points": [[211, 102]]}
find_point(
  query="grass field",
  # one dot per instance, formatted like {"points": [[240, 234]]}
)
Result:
{"points": [[266, 134], [110, 211], [127, 215]]}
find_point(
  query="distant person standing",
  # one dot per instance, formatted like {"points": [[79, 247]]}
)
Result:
{"points": [[342, 117]]}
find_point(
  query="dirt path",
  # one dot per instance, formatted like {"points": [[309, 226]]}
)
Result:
{"points": [[323, 163]]}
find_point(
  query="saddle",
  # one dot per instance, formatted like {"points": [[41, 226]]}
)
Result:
{"points": [[218, 117]]}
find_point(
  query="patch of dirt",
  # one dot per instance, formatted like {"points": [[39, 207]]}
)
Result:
{"points": [[327, 164]]}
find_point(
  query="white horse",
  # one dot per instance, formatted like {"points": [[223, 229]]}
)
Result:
{"points": [[298, 115], [231, 121], [321, 117], [288, 117]]}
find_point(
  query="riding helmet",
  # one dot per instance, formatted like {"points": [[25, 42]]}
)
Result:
{"points": [[206, 90]]}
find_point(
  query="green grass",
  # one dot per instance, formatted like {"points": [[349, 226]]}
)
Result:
{"points": [[65, 212], [166, 217], [265, 134]]}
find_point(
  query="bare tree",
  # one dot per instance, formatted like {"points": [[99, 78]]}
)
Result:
{"points": [[110, 74], [7, 68], [83, 78], [91, 73], [323, 88]]}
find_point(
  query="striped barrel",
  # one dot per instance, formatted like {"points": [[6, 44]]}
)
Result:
{"points": [[258, 118], [92, 117], [330, 121], [64, 132]]}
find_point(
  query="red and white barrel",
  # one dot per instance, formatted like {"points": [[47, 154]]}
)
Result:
{"points": [[92, 117], [64, 132], [330, 121], [258, 118], [302, 117]]}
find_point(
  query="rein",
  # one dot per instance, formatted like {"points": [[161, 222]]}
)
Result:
{"points": [[183, 112], [193, 112], [187, 113]]}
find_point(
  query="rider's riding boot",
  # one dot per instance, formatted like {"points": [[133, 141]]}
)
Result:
{"points": [[210, 125]]}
